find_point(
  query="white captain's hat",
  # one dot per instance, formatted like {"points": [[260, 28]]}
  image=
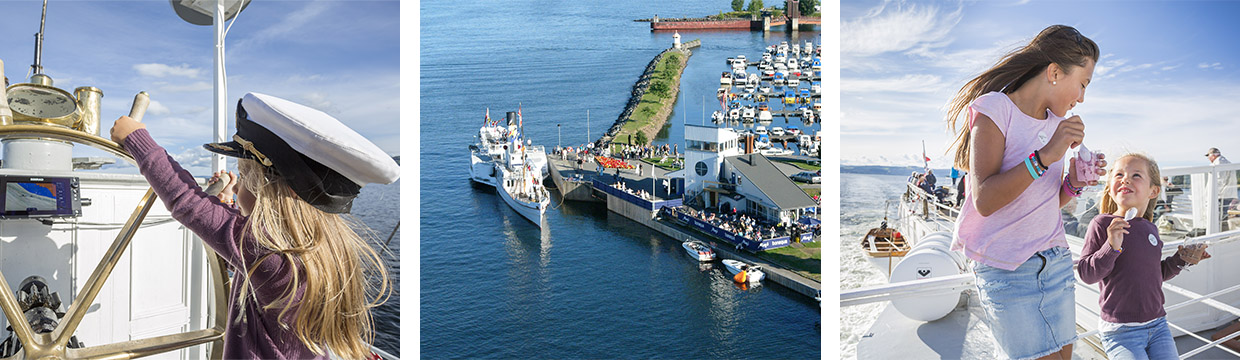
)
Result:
{"points": [[325, 162]]}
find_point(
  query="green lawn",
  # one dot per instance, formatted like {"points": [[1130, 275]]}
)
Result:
{"points": [[812, 191], [650, 102], [666, 165], [806, 260], [804, 165]]}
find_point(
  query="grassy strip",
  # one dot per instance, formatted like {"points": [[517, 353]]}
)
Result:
{"points": [[812, 191], [666, 165], [806, 261], [650, 103], [804, 165]]}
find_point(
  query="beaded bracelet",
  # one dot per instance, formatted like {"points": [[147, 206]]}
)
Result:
{"points": [[1034, 166], [1032, 172], [1071, 190], [1037, 156]]}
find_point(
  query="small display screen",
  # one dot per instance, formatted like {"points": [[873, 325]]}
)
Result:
{"points": [[30, 196]]}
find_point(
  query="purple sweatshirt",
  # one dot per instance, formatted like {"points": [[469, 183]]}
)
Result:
{"points": [[1131, 283], [260, 335]]}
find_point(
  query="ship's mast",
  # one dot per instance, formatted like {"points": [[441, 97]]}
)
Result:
{"points": [[37, 67]]}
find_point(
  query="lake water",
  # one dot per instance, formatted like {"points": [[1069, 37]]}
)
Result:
{"points": [[591, 284]]}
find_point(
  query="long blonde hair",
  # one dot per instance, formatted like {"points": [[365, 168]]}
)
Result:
{"points": [[1057, 44], [1108, 206], [339, 271]]}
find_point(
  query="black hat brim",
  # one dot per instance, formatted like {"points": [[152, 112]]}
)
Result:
{"points": [[230, 149]]}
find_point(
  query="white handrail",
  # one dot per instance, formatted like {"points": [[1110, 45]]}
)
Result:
{"points": [[1208, 345], [1177, 171], [1194, 297], [903, 289]]}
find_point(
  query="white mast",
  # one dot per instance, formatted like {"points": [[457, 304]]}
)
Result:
{"points": [[218, 162]]}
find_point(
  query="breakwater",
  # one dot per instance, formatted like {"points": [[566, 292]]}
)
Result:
{"points": [[640, 88]]}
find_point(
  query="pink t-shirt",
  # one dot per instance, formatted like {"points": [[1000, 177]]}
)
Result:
{"points": [[1031, 222]]}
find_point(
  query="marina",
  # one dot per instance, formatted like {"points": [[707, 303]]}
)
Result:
{"points": [[542, 291]]}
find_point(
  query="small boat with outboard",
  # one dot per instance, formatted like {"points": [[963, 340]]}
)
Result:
{"points": [[698, 250], [743, 272]]}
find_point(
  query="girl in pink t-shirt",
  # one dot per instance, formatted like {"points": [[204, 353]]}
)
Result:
{"points": [[1015, 136]]}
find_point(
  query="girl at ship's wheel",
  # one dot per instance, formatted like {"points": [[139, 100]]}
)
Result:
{"points": [[305, 280], [1009, 225]]}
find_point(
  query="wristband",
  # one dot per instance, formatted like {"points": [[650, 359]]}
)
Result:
{"points": [[1038, 157], [1032, 172], [1033, 160], [1071, 190]]}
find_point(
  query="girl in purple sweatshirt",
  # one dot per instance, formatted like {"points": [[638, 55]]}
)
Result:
{"points": [[304, 279], [1123, 250]]}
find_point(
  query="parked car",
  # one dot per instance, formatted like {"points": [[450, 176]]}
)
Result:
{"points": [[808, 177]]}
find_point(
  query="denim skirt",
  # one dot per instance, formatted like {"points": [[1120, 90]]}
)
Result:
{"points": [[1030, 310]]}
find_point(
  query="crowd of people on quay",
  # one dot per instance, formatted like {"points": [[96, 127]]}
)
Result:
{"points": [[627, 152], [745, 226], [643, 194]]}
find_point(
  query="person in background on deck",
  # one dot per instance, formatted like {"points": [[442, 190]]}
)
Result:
{"points": [[1011, 146], [1125, 255], [299, 170], [1227, 187]]}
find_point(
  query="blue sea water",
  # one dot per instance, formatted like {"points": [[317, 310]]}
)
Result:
{"points": [[591, 284], [378, 206]]}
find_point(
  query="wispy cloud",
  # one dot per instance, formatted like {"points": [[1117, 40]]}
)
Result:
{"points": [[164, 70], [287, 27], [1208, 66], [906, 83], [157, 108], [897, 28], [191, 87]]}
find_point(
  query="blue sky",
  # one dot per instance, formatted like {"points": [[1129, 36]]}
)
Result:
{"points": [[342, 57], [1167, 83]]}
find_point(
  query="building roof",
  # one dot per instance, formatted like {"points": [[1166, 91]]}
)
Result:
{"points": [[763, 174]]}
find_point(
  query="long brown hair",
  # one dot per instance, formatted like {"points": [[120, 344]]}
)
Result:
{"points": [[1108, 205], [1057, 44], [340, 274]]}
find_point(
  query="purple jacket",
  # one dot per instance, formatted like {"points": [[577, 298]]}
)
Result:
{"points": [[1132, 280], [260, 335]]}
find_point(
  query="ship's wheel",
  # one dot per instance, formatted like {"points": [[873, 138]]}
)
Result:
{"points": [[54, 344]]}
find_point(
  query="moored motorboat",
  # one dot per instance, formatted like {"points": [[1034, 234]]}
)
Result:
{"points": [[743, 272], [698, 250]]}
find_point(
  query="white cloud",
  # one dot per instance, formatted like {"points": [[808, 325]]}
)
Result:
{"points": [[157, 108], [897, 29], [906, 83], [194, 156], [1206, 66], [1169, 68], [193, 87], [287, 27], [164, 70], [319, 101], [1120, 116]]}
